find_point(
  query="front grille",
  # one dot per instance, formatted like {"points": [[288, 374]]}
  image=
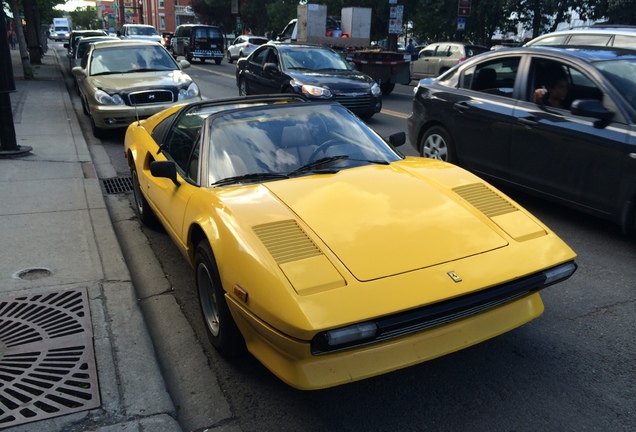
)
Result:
{"points": [[150, 97], [355, 102], [445, 312]]}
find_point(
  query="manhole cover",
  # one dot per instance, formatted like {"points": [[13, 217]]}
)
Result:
{"points": [[47, 362], [117, 185]]}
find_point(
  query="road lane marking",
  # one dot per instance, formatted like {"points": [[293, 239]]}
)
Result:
{"points": [[394, 113], [214, 72]]}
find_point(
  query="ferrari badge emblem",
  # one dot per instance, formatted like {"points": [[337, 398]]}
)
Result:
{"points": [[454, 276]]}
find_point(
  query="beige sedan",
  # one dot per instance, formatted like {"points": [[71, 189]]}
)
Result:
{"points": [[123, 81]]}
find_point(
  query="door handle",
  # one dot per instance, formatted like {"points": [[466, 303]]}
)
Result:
{"points": [[461, 106], [528, 121]]}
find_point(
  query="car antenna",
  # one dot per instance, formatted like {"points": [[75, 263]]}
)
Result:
{"points": [[136, 112]]}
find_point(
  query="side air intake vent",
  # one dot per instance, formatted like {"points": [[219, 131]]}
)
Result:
{"points": [[485, 200], [286, 241]]}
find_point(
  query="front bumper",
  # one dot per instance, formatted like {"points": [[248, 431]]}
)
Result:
{"points": [[119, 116], [291, 359]]}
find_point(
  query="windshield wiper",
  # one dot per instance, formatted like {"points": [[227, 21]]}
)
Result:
{"points": [[108, 73], [147, 70], [249, 177], [322, 161], [373, 161]]}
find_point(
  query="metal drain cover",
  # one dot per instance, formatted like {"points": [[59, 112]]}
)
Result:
{"points": [[117, 185], [47, 362]]}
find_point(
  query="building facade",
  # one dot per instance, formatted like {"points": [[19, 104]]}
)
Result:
{"points": [[164, 15]]}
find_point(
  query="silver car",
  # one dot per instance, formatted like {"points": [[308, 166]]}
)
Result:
{"points": [[122, 81]]}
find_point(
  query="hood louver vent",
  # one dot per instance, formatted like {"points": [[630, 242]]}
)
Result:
{"points": [[485, 200], [286, 241]]}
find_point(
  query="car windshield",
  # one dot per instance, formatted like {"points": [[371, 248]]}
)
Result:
{"points": [[123, 59], [622, 75], [313, 59], [276, 141]]}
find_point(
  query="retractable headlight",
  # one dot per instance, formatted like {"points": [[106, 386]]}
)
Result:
{"points": [[189, 93], [314, 91], [104, 98]]}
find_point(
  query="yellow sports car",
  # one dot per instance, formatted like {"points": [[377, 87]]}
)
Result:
{"points": [[325, 252]]}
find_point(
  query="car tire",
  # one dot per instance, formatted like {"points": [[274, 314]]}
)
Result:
{"points": [[436, 143], [97, 132], [188, 56], [387, 88], [218, 61], [142, 208], [219, 324], [243, 88], [229, 58], [85, 107]]}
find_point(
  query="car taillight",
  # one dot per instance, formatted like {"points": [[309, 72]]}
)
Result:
{"points": [[191, 43], [461, 60]]}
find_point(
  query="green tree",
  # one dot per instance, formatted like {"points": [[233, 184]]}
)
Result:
{"points": [[86, 18]]}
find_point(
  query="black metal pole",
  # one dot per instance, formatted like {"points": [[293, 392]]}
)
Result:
{"points": [[8, 143]]}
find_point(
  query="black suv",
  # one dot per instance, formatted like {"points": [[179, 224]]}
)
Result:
{"points": [[198, 41]]}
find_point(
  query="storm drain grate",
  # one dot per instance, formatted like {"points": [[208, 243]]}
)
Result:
{"points": [[47, 362], [117, 185]]}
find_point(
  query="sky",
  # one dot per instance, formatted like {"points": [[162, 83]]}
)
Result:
{"points": [[71, 5]]}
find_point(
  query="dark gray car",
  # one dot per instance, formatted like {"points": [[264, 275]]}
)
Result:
{"points": [[483, 116]]}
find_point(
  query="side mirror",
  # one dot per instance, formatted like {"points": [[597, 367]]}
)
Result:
{"points": [[271, 67], [397, 139], [592, 108], [165, 169], [78, 71]]}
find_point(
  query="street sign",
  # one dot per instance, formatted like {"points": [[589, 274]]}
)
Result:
{"points": [[463, 8], [461, 23]]}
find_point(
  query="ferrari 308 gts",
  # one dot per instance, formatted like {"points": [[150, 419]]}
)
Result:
{"points": [[322, 250]]}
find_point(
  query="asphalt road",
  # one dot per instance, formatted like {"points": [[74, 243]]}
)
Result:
{"points": [[572, 369]]}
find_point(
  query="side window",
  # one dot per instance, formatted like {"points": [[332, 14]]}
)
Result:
{"points": [[495, 77], [181, 140], [427, 52], [442, 51], [561, 84], [553, 40], [625, 41], [593, 40], [259, 57]]}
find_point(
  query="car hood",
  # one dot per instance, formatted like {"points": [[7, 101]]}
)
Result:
{"points": [[334, 80], [370, 218], [137, 80]]}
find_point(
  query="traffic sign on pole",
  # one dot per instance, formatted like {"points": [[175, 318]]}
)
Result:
{"points": [[463, 8]]}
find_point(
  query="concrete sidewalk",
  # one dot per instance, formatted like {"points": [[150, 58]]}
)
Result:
{"points": [[74, 347]]}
